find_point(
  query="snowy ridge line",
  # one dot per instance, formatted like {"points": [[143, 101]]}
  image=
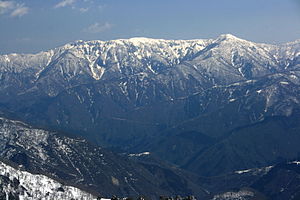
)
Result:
{"points": [[97, 54], [39, 186], [142, 41], [124, 56]]}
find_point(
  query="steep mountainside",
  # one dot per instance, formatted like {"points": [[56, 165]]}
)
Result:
{"points": [[65, 164], [17, 184], [282, 182], [192, 102], [76, 162]]}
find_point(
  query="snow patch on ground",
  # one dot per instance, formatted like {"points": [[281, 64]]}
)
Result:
{"points": [[140, 154], [240, 195]]}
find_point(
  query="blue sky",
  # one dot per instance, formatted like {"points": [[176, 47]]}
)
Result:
{"points": [[29, 26]]}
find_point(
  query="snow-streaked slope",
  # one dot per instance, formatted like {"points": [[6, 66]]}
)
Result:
{"points": [[93, 57], [219, 61], [230, 59], [79, 163], [71, 159], [21, 62], [27, 186], [131, 55], [223, 60]]}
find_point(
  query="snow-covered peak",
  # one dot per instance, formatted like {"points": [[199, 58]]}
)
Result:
{"points": [[228, 37], [233, 40], [296, 42], [144, 40]]}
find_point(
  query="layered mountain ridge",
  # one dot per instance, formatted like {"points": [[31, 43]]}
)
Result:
{"points": [[75, 162], [53, 171], [191, 102]]}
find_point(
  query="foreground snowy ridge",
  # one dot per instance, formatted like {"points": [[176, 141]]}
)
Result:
{"points": [[27, 186]]}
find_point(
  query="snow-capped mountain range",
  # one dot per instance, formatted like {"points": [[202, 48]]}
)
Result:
{"points": [[224, 60], [184, 100]]}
